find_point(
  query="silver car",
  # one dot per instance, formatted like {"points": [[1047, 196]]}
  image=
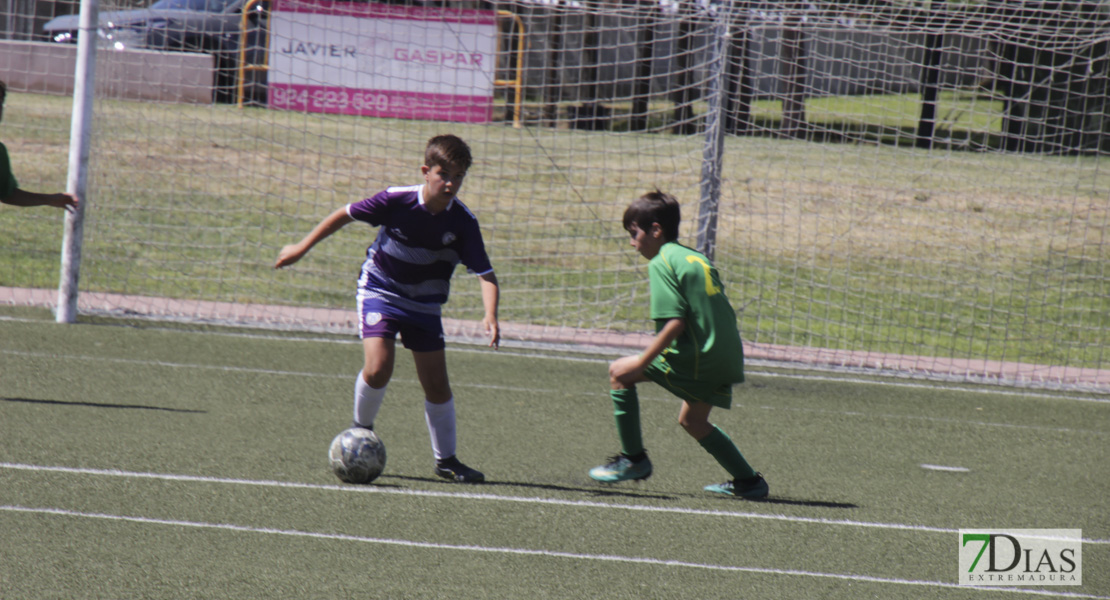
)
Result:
{"points": [[210, 26]]}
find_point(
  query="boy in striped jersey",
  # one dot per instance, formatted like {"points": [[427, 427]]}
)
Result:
{"points": [[424, 232]]}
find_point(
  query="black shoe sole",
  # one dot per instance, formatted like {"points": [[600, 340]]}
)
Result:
{"points": [[452, 476]]}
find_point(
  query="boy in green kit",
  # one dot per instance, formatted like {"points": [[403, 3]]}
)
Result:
{"points": [[696, 352]]}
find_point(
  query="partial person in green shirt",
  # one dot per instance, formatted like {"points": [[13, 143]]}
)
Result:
{"points": [[9, 187], [696, 353]]}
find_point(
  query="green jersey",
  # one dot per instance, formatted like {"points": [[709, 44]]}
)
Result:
{"points": [[685, 285], [8, 184]]}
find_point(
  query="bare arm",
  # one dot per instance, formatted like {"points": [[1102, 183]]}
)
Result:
{"points": [[491, 298], [630, 369], [25, 198], [331, 223]]}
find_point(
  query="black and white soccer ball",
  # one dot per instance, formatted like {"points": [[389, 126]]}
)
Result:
{"points": [[357, 455]]}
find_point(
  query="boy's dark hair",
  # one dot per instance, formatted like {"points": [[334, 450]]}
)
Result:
{"points": [[446, 151], [654, 207]]}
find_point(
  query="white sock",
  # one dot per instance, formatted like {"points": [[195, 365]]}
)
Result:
{"points": [[441, 427], [368, 401]]}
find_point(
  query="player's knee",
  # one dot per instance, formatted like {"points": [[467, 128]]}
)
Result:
{"points": [[697, 428], [376, 375], [616, 384]]}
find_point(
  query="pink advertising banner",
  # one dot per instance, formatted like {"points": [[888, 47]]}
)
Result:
{"points": [[382, 60]]}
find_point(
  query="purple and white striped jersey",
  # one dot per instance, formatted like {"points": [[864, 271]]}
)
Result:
{"points": [[409, 266]]}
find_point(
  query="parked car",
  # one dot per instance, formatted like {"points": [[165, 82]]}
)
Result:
{"points": [[210, 26]]}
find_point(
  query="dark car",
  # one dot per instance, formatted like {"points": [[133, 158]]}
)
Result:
{"points": [[210, 26]]}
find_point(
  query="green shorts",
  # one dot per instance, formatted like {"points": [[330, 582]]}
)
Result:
{"points": [[687, 388]]}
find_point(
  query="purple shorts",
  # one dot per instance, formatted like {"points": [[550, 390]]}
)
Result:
{"points": [[419, 332]]}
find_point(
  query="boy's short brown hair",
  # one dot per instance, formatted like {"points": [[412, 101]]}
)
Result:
{"points": [[447, 151], [654, 207]]}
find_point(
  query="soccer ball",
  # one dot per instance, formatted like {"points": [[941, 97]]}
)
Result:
{"points": [[357, 455]]}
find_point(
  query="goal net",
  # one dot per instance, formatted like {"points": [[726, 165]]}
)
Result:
{"points": [[921, 191]]}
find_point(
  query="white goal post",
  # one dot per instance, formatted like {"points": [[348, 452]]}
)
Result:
{"points": [[903, 190]]}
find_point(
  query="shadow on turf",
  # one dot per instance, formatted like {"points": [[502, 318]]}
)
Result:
{"points": [[793, 502], [101, 405], [599, 491], [545, 486]]}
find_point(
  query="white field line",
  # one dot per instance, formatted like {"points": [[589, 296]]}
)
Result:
{"points": [[579, 504], [523, 390], [289, 318], [638, 560], [172, 365], [945, 468], [983, 389], [504, 351], [877, 415], [878, 380]]}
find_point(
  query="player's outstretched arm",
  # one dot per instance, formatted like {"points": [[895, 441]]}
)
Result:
{"points": [[331, 223], [25, 198], [491, 298]]}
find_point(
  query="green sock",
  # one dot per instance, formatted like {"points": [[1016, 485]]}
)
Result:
{"points": [[721, 447], [626, 408]]}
